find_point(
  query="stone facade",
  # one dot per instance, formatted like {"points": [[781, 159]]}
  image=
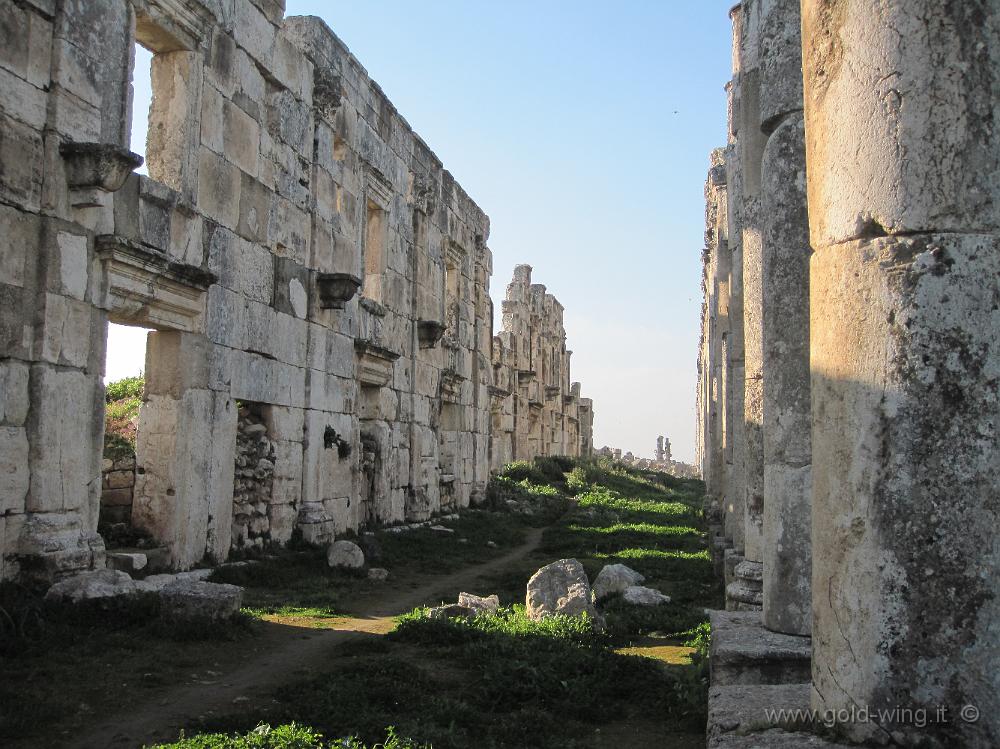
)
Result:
{"points": [[851, 243], [318, 285], [536, 409]]}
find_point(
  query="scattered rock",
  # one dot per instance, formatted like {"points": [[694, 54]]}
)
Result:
{"points": [[346, 555], [491, 544], [378, 574], [615, 578], [154, 583], [451, 611], [194, 600], [370, 547], [640, 596], [442, 529], [200, 574], [488, 605], [91, 585], [559, 588], [127, 562]]}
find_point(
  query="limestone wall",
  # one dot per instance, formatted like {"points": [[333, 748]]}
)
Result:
{"points": [[295, 247], [536, 409]]}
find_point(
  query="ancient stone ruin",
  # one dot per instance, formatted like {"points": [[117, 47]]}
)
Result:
{"points": [[323, 356], [535, 408], [848, 369]]}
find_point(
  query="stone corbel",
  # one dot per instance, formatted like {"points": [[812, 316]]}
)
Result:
{"points": [[336, 289], [429, 332], [95, 170]]}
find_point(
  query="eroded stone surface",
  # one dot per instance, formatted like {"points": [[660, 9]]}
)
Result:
{"points": [[318, 284], [559, 588]]}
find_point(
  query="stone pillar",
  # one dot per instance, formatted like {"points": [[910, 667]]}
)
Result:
{"points": [[746, 149], [785, 285], [185, 450], [904, 166]]}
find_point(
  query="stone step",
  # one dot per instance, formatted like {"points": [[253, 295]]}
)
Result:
{"points": [[744, 716], [744, 651]]}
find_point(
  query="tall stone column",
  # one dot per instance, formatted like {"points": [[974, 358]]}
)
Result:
{"points": [[901, 111], [750, 141], [785, 285]]}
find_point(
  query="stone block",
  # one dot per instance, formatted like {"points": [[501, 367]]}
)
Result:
{"points": [[117, 497], [65, 470], [194, 601], [291, 280], [219, 184], [14, 473], [254, 33], [255, 268], [127, 562], [744, 652], [73, 264], [92, 585], [13, 392], [21, 155], [254, 209], [22, 100], [241, 137]]}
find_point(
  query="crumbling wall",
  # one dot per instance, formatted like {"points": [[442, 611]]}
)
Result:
{"points": [[536, 409], [295, 245]]}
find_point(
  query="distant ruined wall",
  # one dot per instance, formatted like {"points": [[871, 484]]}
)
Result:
{"points": [[296, 248], [537, 410]]}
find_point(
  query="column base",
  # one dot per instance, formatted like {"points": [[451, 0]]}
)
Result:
{"points": [[743, 651], [746, 716], [746, 592]]}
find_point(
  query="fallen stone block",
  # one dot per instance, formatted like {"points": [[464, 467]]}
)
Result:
{"points": [[345, 555], [560, 588], [451, 611], [194, 600], [378, 574], [637, 595], [489, 604], [127, 562], [614, 578], [92, 585]]}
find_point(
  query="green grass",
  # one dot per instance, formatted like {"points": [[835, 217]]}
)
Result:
{"points": [[496, 681], [505, 681], [60, 663]]}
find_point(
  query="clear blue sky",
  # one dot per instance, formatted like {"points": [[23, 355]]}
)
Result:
{"points": [[583, 129]]}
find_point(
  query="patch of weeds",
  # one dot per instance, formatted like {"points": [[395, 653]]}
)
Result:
{"points": [[435, 552], [627, 622], [521, 470], [288, 736], [94, 652], [291, 583]]}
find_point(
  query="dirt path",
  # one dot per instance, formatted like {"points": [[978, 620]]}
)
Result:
{"points": [[285, 649]]}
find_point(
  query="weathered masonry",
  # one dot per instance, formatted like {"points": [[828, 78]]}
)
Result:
{"points": [[317, 282], [536, 410], [849, 368]]}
